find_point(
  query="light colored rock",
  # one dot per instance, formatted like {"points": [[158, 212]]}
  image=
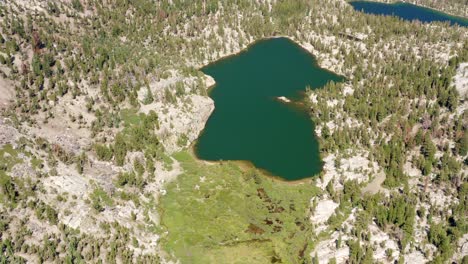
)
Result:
{"points": [[378, 237], [22, 169], [7, 92], [209, 81], [415, 257], [183, 120], [460, 80], [354, 168], [348, 89], [68, 181], [411, 171], [327, 250], [313, 98], [462, 248], [284, 99], [323, 211], [438, 198], [330, 171], [8, 134]]}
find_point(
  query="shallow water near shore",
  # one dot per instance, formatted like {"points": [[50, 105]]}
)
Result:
{"points": [[250, 122], [407, 12]]}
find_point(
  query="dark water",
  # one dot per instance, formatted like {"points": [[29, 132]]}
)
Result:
{"points": [[249, 123], [407, 12]]}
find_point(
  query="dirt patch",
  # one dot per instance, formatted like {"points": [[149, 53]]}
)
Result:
{"points": [[254, 229], [376, 184], [7, 93]]}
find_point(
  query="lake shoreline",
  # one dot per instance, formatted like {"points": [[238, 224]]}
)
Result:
{"points": [[246, 165], [392, 2]]}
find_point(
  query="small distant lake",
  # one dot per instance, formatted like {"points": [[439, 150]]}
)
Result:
{"points": [[407, 12], [250, 123]]}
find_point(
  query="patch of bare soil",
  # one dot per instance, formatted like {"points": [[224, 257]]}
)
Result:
{"points": [[7, 93]]}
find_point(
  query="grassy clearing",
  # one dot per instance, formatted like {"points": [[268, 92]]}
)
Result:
{"points": [[220, 214], [8, 157], [130, 117]]}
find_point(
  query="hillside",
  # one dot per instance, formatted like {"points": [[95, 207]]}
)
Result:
{"points": [[101, 102]]}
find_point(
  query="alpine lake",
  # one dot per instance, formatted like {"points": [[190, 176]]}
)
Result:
{"points": [[408, 12], [259, 116]]}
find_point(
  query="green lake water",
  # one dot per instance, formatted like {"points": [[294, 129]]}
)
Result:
{"points": [[250, 123]]}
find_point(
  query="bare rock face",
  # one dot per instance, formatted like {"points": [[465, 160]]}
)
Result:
{"points": [[382, 242], [7, 93], [70, 143], [462, 248], [183, 118], [209, 81], [357, 167], [324, 209], [22, 170], [184, 122], [461, 80], [8, 134], [327, 250]]}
